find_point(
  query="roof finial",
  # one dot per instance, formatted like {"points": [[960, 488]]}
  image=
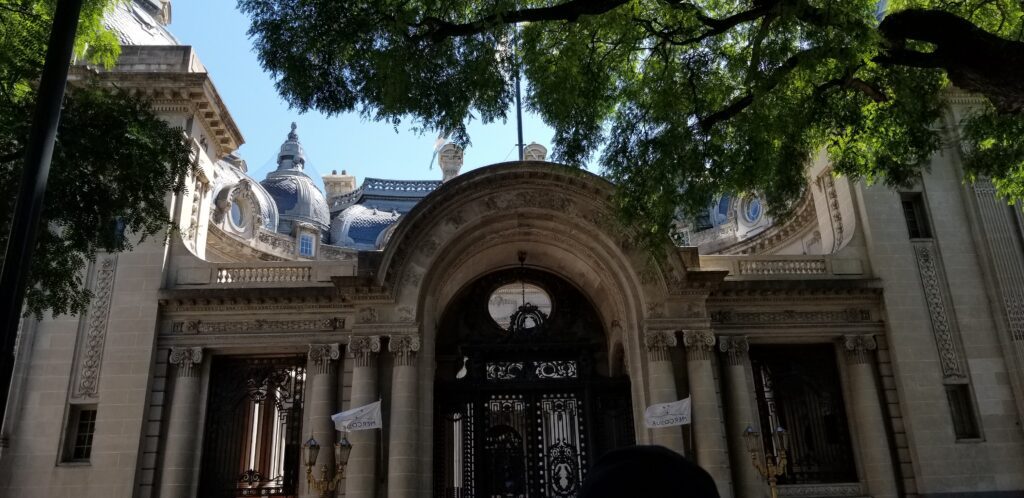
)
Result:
{"points": [[292, 135]]}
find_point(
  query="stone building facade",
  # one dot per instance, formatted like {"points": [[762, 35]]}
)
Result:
{"points": [[513, 332]]}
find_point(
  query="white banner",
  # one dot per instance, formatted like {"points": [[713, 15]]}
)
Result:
{"points": [[668, 414], [358, 419]]}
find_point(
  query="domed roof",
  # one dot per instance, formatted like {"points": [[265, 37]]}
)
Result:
{"points": [[360, 227], [298, 199], [362, 217]]}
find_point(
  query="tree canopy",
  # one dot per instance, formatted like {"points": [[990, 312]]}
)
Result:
{"points": [[684, 100], [113, 163]]}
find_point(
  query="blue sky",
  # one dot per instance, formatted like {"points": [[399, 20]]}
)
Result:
{"points": [[218, 32]]}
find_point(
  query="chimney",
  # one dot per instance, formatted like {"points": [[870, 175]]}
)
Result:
{"points": [[338, 185]]}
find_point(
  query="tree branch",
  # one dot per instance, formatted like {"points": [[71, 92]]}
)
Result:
{"points": [[716, 26], [438, 29], [767, 84], [974, 59]]}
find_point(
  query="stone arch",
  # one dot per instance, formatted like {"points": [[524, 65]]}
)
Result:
{"points": [[565, 221]]}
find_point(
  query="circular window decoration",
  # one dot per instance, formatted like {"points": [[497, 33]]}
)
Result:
{"points": [[237, 215], [753, 210], [519, 302]]}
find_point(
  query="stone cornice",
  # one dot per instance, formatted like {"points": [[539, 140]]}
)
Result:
{"points": [[180, 83]]}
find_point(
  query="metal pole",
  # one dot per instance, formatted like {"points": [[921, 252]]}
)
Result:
{"points": [[29, 207], [519, 104]]}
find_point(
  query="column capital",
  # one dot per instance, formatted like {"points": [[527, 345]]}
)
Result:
{"points": [[699, 344], [323, 356], [858, 347], [735, 347], [404, 347], [186, 359], [363, 348], [658, 343]]}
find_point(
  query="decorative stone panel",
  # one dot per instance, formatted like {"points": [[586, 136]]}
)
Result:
{"points": [[92, 337], [933, 282]]}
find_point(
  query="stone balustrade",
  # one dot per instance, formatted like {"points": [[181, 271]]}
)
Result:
{"points": [[269, 274], [264, 274]]}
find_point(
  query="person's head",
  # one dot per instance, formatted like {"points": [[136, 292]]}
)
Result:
{"points": [[648, 472]]}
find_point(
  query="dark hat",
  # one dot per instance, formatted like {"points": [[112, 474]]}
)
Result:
{"points": [[649, 472]]}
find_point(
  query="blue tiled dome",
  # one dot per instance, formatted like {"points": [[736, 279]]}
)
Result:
{"points": [[360, 227], [298, 199]]}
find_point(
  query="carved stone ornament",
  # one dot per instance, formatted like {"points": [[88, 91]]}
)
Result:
{"points": [[735, 348], [933, 282], [364, 348], [89, 356], [323, 356], [699, 344], [858, 347], [847, 315], [187, 360], [368, 315], [658, 343], [405, 314], [404, 348], [192, 327]]}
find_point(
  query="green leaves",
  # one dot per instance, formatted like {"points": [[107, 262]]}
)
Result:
{"points": [[114, 161], [688, 100]]}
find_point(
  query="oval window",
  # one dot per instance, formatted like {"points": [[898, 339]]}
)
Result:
{"points": [[237, 216], [753, 209], [507, 299]]}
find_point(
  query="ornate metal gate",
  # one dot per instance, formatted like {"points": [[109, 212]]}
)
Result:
{"points": [[798, 389], [253, 418], [523, 407]]}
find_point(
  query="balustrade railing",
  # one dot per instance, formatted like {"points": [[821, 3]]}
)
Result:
{"points": [[264, 274]]}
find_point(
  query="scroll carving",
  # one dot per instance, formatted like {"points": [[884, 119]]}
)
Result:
{"points": [[187, 360], [90, 347]]}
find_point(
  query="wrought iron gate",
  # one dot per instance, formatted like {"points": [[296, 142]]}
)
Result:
{"points": [[253, 418], [519, 441], [798, 389], [524, 404]]}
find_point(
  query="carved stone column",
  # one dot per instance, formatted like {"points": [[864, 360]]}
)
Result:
{"points": [[322, 403], [402, 455], [361, 473], [661, 380], [711, 451], [868, 417], [181, 452], [739, 414]]}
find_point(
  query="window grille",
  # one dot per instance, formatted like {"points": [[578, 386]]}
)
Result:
{"points": [[80, 433], [916, 216]]}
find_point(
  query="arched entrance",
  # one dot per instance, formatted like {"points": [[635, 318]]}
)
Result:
{"points": [[524, 401]]}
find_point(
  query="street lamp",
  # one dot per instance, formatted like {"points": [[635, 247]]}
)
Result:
{"points": [[772, 465], [324, 485]]}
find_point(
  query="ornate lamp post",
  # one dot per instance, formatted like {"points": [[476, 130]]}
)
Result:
{"points": [[771, 465], [324, 485]]}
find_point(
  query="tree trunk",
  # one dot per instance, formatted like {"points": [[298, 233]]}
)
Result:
{"points": [[975, 60]]}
